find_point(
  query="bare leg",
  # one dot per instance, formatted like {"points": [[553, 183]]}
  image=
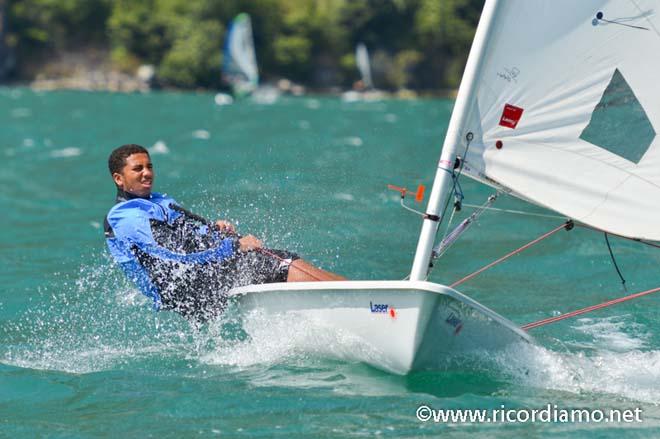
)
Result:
{"points": [[301, 271]]}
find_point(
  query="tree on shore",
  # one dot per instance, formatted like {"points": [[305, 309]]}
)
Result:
{"points": [[6, 52], [419, 44]]}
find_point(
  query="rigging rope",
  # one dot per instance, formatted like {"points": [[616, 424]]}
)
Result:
{"points": [[600, 15], [450, 237], [456, 189], [567, 225], [588, 309], [456, 186], [616, 266], [517, 212]]}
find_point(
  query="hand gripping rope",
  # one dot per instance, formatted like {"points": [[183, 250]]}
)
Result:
{"points": [[212, 225]]}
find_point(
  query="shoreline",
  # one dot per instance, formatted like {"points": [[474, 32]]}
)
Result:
{"points": [[91, 70], [113, 82]]}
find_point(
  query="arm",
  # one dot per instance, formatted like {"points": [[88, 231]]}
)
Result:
{"points": [[223, 251], [131, 223], [247, 243], [225, 227]]}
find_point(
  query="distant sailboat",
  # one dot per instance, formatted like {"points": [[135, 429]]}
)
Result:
{"points": [[364, 88], [239, 65], [363, 65]]}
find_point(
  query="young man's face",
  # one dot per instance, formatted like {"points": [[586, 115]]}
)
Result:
{"points": [[137, 176]]}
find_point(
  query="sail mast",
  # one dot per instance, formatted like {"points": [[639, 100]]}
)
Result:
{"points": [[443, 176]]}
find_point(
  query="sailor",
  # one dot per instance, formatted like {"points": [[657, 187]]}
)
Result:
{"points": [[176, 258]]}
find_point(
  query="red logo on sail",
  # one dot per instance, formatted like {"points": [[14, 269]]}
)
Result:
{"points": [[510, 116]]}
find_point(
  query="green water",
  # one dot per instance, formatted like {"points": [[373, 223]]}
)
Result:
{"points": [[82, 354]]}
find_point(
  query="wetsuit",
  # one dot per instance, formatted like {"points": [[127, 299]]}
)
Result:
{"points": [[180, 263]]}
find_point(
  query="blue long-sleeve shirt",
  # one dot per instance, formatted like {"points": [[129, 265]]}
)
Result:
{"points": [[129, 230]]}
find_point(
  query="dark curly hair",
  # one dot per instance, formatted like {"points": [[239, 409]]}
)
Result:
{"points": [[117, 159]]}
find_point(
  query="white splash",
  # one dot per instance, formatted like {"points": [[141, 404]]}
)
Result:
{"points": [[160, 147], [223, 99], [66, 152], [18, 113], [287, 337], [353, 141], [201, 134], [130, 297], [605, 368], [313, 104], [85, 327], [344, 196], [391, 118], [265, 95], [76, 360], [608, 333]]}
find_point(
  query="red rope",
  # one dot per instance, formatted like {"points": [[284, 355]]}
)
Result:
{"points": [[587, 309], [507, 256]]}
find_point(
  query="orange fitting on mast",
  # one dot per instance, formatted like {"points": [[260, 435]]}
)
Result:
{"points": [[402, 190], [419, 195]]}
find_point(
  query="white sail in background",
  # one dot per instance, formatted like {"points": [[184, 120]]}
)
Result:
{"points": [[566, 110], [239, 60], [363, 65]]}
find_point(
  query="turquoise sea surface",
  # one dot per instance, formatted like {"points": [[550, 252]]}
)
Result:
{"points": [[83, 355]]}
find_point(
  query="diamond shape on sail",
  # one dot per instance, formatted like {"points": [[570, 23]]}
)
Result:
{"points": [[619, 124]]}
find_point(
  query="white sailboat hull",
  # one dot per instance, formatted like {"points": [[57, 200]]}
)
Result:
{"points": [[403, 326]]}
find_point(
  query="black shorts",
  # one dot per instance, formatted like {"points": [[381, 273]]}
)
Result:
{"points": [[198, 292], [257, 268]]}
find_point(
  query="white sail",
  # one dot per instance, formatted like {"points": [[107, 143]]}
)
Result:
{"points": [[363, 65], [569, 91], [239, 59]]}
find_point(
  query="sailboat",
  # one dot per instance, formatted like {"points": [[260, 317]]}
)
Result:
{"points": [[558, 106], [363, 65], [365, 90], [239, 65]]}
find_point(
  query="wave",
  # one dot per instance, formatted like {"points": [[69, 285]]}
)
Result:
{"points": [[201, 134], [160, 147], [99, 322], [614, 362], [66, 152]]}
